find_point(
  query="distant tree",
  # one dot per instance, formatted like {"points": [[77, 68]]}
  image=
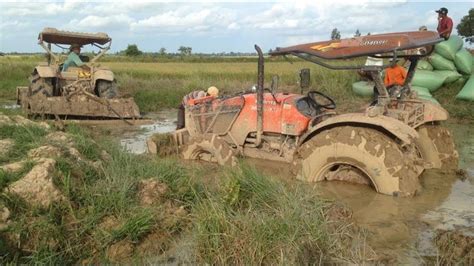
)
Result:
{"points": [[368, 33], [162, 51], [335, 34], [466, 26], [185, 51], [357, 33], [132, 50]]}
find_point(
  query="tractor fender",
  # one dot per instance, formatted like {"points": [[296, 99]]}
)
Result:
{"points": [[391, 125], [46, 71], [103, 74], [434, 112]]}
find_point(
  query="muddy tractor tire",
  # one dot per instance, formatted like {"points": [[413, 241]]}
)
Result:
{"points": [[359, 155], [210, 148], [41, 85], [436, 146], [106, 89]]}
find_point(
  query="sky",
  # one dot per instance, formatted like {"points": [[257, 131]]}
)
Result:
{"points": [[207, 27]]}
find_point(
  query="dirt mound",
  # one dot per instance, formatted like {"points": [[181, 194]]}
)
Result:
{"points": [[4, 216], [151, 191], [59, 137], [46, 151], [455, 247], [37, 186], [120, 251], [5, 120], [20, 120], [5, 146], [13, 167]]}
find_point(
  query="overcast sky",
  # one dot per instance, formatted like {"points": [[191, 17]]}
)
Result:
{"points": [[214, 27]]}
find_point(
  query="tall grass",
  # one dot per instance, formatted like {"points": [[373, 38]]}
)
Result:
{"points": [[253, 219]]}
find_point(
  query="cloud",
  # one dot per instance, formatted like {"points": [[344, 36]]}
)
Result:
{"points": [[170, 24], [92, 22], [187, 19]]}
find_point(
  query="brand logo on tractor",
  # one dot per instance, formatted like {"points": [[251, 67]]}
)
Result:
{"points": [[374, 42]]}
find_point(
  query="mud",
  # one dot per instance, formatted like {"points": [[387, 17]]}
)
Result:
{"points": [[406, 229], [134, 139]]}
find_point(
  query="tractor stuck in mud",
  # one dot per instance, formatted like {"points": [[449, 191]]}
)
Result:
{"points": [[387, 146], [77, 92]]}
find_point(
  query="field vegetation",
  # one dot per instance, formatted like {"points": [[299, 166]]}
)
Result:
{"points": [[202, 214], [161, 82], [117, 207]]}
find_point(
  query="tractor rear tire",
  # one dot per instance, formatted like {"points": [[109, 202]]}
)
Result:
{"points": [[436, 146], [210, 148], [106, 89], [359, 155], [40, 85]]}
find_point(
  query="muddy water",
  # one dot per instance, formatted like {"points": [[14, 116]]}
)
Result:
{"points": [[398, 227], [134, 140], [405, 227]]}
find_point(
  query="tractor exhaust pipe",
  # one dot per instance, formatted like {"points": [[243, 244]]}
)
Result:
{"points": [[260, 81]]}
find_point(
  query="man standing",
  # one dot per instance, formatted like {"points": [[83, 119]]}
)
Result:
{"points": [[445, 23], [211, 91]]}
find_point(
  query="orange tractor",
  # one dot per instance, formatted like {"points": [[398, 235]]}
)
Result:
{"points": [[388, 146]]}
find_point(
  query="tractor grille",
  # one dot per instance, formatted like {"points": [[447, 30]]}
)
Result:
{"points": [[215, 116]]}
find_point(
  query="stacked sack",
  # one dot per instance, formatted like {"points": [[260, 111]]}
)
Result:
{"points": [[448, 64]]}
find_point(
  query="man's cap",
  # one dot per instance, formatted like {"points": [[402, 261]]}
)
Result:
{"points": [[442, 10], [74, 46], [213, 91]]}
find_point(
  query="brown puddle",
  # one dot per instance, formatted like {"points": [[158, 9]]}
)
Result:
{"points": [[134, 140], [405, 227]]}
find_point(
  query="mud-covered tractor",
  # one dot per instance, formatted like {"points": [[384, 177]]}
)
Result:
{"points": [[89, 92], [387, 146]]}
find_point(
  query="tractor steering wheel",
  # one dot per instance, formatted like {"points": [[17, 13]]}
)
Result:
{"points": [[325, 101]]}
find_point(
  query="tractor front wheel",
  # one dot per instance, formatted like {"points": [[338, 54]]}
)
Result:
{"points": [[437, 147], [359, 155], [210, 148]]}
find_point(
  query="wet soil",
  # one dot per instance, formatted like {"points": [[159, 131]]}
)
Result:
{"points": [[401, 228], [134, 140], [406, 228]]}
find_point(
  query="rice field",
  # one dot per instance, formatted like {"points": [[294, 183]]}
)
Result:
{"points": [[163, 82]]}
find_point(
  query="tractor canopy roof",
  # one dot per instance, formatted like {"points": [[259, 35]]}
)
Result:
{"points": [[364, 45], [52, 35]]}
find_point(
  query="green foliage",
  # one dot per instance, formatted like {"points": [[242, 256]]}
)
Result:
{"points": [[132, 50], [466, 26], [357, 33], [335, 34], [185, 51], [139, 224]]}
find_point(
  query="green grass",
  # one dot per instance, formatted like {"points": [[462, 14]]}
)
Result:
{"points": [[158, 83], [25, 138], [240, 217], [253, 219]]}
